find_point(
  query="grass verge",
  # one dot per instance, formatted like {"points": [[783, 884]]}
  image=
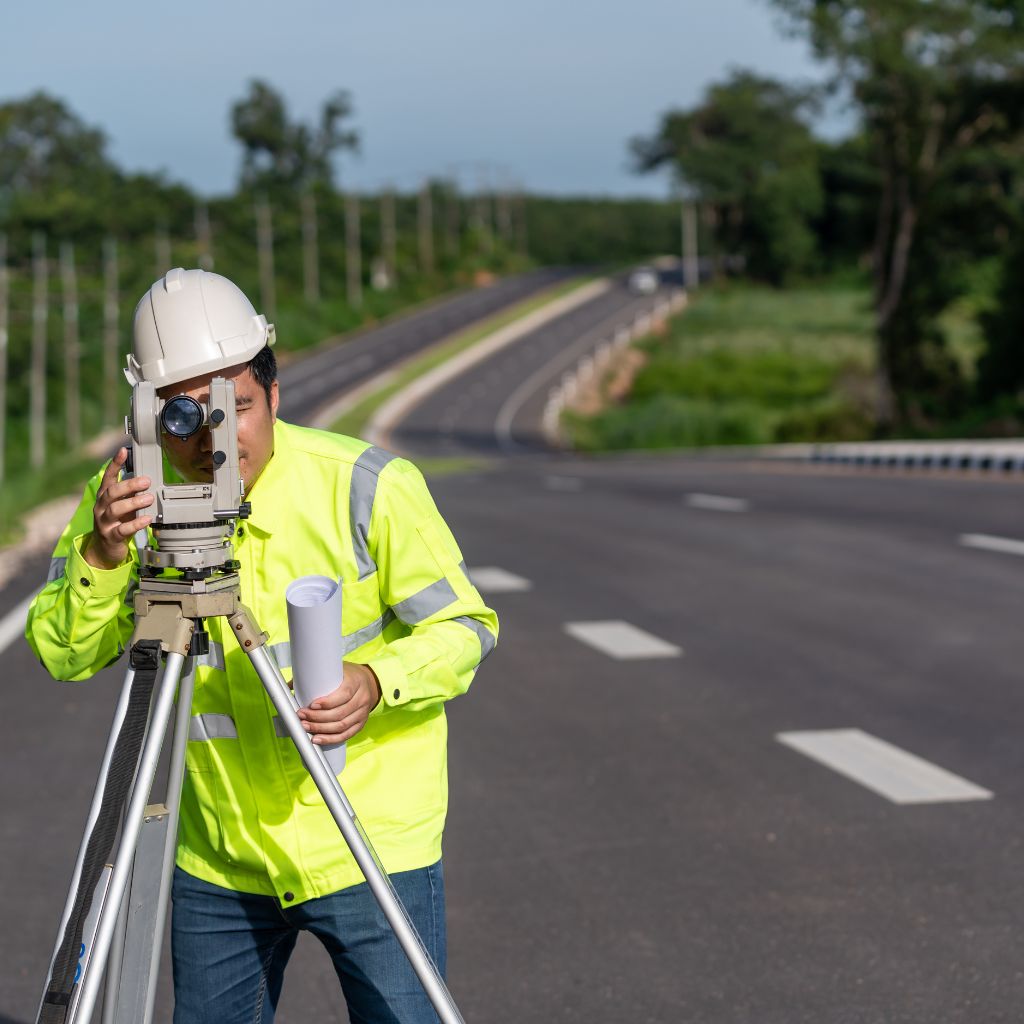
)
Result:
{"points": [[746, 365]]}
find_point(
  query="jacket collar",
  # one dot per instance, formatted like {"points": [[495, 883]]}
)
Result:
{"points": [[268, 494]]}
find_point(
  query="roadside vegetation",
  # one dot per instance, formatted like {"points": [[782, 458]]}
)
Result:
{"points": [[745, 364]]}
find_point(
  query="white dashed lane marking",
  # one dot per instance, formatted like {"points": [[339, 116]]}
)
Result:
{"points": [[492, 580], [569, 484], [621, 640], [987, 542], [717, 503], [899, 776], [12, 625]]}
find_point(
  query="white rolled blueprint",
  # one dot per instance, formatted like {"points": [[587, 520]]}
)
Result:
{"points": [[314, 627]]}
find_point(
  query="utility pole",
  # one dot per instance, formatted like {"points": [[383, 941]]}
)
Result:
{"points": [[503, 214], [388, 235], [425, 223], [452, 220], [4, 322], [310, 252], [353, 256], [162, 249], [691, 261], [204, 236], [110, 327], [522, 240], [265, 253], [37, 382], [72, 353], [482, 212]]}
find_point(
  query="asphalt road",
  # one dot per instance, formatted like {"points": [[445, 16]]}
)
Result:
{"points": [[315, 379], [496, 407], [628, 840]]}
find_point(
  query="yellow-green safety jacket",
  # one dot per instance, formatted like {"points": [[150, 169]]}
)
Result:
{"points": [[251, 818]]}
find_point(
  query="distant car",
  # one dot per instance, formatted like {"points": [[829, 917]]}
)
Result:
{"points": [[644, 281]]}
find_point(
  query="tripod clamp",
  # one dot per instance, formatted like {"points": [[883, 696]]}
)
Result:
{"points": [[167, 613]]}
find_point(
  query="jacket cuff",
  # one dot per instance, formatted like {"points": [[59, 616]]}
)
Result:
{"points": [[393, 680], [90, 583]]}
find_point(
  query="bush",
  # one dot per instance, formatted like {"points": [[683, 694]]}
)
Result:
{"points": [[669, 421], [776, 379]]}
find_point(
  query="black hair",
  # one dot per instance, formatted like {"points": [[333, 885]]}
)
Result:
{"points": [[263, 367]]}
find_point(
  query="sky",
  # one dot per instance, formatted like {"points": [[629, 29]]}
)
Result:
{"points": [[539, 94]]}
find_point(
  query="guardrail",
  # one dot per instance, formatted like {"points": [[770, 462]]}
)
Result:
{"points": [[984, 455], [594, 363]]}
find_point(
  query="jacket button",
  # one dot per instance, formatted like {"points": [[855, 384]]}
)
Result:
{"points": [[84, 582], [289, 896], [398, 693]]}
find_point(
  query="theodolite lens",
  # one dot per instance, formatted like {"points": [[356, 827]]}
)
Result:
{"points": [[182, 416]]}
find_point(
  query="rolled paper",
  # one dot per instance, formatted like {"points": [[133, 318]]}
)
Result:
{"points": [[314, 627]]}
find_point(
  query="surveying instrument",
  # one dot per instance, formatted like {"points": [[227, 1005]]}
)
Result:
{"points": [[113, 920]]}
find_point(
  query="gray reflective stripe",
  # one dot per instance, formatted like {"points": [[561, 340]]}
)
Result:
{"points": [[362, 491], [429, 601], [56, 569], [282, 652], [367, 633], [214, 658], [212, 727], [485, 636], [279, 728], [465, 572]]}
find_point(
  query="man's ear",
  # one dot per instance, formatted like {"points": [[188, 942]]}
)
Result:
{"points": [[275, 400]]}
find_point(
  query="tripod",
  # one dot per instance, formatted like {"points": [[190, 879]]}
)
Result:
{"points": [[114, 917]]}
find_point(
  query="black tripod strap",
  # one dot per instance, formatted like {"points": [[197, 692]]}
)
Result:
{"points": [[145, 659]]}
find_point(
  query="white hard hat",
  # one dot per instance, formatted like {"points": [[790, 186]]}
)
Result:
{"points": [[192, 322]]}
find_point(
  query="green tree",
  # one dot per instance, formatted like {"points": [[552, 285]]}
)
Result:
{"points": [[747, 150], [938, 87], [53, 166], [1001, 368], [279, 153]]}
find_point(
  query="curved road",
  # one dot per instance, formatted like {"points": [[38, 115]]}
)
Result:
{"points": [[496, 407]]}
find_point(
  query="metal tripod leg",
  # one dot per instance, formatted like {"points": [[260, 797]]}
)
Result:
{"points": [[99, 929], [94, 813], [134, 963], [358, 842]]}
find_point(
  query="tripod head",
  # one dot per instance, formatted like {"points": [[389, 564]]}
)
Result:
{"points": [[192, 522]]}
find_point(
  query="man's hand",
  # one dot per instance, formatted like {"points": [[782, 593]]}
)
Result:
{"points": [[113, 516], [342, 713]]}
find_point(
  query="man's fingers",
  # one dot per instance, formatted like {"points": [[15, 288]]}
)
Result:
{"points": [[126, 506], [335, 699], [335, 713], [121, 489], [342, 731], [125, 530], [110, 473]]}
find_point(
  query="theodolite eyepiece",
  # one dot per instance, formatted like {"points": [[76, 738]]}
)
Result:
{"points": [[182, 416]]}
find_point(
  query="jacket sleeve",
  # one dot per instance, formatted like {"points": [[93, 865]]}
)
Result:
{"points": [[422, 578], [80, 622]]}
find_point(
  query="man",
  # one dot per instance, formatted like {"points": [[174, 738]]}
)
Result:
{"points": [[259, 857]]}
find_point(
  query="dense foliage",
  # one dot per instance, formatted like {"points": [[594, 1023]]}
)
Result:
{"points": [[747, 154]]}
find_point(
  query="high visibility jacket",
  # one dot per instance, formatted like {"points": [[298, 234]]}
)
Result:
{"points": [[251, 818]]}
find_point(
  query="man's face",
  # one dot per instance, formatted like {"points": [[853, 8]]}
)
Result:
{"points": [[192, 457]]}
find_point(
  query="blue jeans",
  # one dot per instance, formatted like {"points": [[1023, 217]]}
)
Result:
{"points": [[230, 949]]}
